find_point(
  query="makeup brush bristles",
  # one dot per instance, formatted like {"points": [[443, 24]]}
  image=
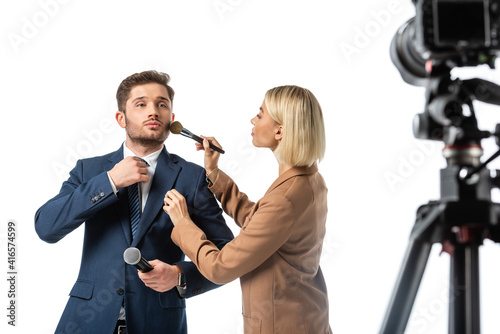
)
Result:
{"points": [[176, 127]]}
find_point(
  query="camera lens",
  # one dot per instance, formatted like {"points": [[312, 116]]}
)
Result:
{"points": [[405, 55]]}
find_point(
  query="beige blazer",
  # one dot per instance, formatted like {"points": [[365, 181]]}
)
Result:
{"points": [[276, 254]]}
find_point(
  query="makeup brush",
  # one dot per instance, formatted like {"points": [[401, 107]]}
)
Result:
{"points": [[176, 128]]}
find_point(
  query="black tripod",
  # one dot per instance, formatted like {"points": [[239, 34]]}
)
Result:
{"points": [[464, 215]]}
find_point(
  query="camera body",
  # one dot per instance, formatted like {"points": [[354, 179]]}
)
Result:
{"points": [[445, 34], [467, 31]]}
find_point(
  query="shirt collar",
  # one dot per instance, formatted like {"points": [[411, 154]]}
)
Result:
{"points": [[152, 158]]}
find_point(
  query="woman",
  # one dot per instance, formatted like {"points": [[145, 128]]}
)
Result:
{"points": [[276, 254]]}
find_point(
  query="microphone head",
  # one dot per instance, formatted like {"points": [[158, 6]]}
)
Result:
{"points": [[132, 256], [176, 127]]}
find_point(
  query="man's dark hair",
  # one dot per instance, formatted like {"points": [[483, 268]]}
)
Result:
{"points": [[142, 78]]}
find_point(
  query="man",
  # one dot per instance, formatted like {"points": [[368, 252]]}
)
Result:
{"points": [[108, 295]]}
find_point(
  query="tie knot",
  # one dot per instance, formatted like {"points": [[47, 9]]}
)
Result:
{"points": [[147, 164]]}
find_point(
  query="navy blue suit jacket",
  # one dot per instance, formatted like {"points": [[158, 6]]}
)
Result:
{"points": [[105, 282]]}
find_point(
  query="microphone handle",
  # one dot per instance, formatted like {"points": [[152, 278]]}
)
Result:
{"points": [[189, 134], [143, 265]]}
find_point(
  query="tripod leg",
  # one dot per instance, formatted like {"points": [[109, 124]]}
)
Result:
{"points": [[406, 288], [464, 290]]}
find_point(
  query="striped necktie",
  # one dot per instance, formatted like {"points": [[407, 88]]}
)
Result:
{"points": [[134, 205]]}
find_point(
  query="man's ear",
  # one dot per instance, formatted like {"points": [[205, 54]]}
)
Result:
{"points": [[279, 132], [120, 118]]}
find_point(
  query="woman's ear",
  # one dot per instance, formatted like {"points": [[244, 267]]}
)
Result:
{"points": [[279, 133]]}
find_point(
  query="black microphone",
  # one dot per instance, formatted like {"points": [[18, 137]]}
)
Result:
{"points": [[133, 256], [177, 128]]}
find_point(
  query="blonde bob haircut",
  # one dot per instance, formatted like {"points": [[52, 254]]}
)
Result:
{"points": [[298, 111]]}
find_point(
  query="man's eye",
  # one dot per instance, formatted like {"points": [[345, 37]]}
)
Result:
{"points": [[163, 105], [140, 104], [258, 116]]}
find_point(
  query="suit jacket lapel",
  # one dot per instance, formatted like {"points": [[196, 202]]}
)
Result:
{"points": [[163, 180]]}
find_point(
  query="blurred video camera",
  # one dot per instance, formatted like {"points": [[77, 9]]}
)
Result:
{"points": [[459, 32], [445, 34]]}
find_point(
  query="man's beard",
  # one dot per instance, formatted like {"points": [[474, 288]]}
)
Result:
{"points": [[148, 142], [155, 139]]}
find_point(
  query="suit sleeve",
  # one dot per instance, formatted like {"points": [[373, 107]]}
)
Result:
{"points": [[77, 201], [207, 215], [269, 228]]}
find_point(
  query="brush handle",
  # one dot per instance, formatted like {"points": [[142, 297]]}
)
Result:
{"points": [[189, 134]]}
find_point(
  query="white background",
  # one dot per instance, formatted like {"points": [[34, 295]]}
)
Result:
{"points": [[62, 61]]}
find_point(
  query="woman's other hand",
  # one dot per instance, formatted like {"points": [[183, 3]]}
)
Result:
{"points": [[175, 206]]}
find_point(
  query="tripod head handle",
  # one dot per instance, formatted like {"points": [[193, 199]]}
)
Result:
{"points": [[482, 90]]}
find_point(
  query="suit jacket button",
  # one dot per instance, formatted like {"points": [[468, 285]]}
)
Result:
{"points": [[102, 194], [120, 291]]}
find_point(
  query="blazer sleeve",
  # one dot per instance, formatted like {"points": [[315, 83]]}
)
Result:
{"points": [[269, 228], [234, 203], [77, 201]]}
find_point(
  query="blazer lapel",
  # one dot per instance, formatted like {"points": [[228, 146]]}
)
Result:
{"points": [[166, 173]]}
